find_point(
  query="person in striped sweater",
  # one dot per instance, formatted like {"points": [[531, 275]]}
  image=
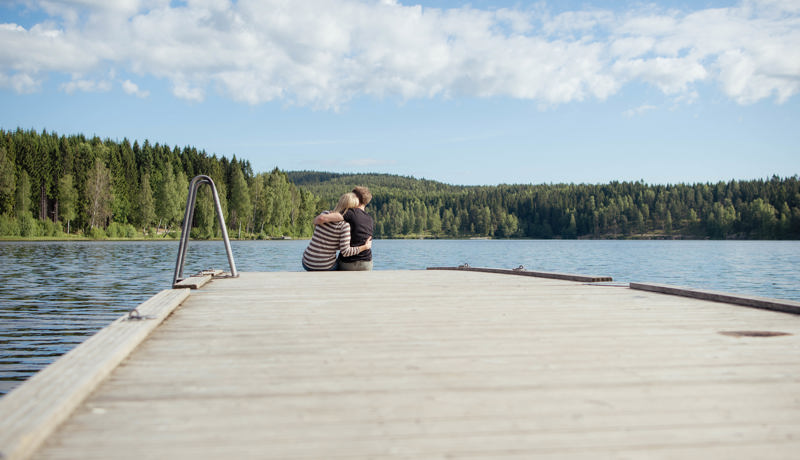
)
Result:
{"points": [[320, 255]]}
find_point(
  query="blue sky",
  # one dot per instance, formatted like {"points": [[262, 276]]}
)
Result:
{"points": [[481, 92]]}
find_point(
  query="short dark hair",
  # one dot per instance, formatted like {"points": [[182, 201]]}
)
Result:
{"points": [[363, 194]]}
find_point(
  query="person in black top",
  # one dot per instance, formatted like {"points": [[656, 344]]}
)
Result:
{"points": [[361, 230]]}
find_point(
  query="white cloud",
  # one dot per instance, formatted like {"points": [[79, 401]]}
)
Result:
{"points": [[185, 90], [20, 83], [670, 75], [790, 6], [578, 21], [86, 85], [11, 28], [631, 47], [639, 111], [322, 54], [133, 89]]}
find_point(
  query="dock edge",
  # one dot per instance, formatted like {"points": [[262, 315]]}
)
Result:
{"points": [[786, 306], [523, 272], [33, 410]]}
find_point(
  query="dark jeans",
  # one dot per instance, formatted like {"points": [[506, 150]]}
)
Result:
{"points": [[359, 265]]}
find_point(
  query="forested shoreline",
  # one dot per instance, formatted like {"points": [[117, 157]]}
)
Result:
{"points": [[59, 186], [56, 186], [753, 209]]}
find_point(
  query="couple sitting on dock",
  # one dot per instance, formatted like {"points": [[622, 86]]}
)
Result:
{"points": [[347, 229]]}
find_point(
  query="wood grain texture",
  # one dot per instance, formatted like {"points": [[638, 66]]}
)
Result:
{"points": [[445, 364], [33, 410]]}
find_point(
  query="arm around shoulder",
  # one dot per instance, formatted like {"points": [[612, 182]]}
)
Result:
{"points": [[328, 217]]}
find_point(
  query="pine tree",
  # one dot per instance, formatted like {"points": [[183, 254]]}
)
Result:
{"points": [[67, 199], [668, 224], [167, 199], [8, 180], [98, 195], [23, 197], [145, 204], [572, 230], [240, 205]]}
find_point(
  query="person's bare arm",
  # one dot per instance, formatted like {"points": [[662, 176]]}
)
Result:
{"points": [[328, 217]]}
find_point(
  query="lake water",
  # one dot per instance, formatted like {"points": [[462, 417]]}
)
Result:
{"points": [[53, 295]]}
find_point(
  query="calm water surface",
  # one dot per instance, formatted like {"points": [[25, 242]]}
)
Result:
{"points": [[53, 295]]}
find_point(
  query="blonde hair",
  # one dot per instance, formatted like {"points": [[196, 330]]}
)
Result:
{"points": [[347, 201]]}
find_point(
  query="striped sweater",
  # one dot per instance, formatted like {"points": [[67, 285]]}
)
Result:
{"points": [[326, 240]]}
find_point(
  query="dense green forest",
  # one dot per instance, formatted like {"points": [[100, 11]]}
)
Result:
{"points": [[60, 186], [756, 209], [55, 186]]}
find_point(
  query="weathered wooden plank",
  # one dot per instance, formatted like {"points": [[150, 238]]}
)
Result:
{"points": [[787, 306], [198, 280], [523, 272], [193, 282], [33, 410], [445, 364]]}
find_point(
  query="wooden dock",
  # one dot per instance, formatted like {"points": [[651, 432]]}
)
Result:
{"points": [[418, 365]]}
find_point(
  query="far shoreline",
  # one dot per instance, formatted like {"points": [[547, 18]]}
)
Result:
{"points": [[4, 239]]}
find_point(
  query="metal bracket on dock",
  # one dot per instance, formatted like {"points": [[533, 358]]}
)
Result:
{"points": [[186, 228], [134, 315]]}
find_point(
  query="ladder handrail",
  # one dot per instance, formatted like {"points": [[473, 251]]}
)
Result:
{"points": [[188, 219]]}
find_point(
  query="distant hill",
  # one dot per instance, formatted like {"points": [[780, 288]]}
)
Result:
{"points": [[409, 207], [330, 186]]}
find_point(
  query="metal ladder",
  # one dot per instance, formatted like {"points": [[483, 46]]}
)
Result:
{"points": [[188, 219]]}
